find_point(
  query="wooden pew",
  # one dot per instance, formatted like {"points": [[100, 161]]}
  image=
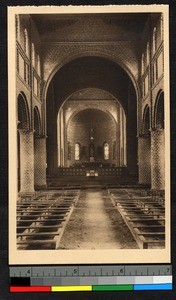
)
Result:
{"points": [[144, 217]]}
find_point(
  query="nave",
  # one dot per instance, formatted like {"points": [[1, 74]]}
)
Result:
{"points": [[91, 216], [91, 131]]}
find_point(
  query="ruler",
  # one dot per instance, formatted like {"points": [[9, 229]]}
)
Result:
{"points": [[90, 278]]}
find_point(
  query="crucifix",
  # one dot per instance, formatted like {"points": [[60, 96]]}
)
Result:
{"points": [[91, 144]]}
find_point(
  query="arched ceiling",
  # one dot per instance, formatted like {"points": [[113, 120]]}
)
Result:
{"points": [[91, 94], [89, 116], [91, 72], [91, 109], [91, 98]]}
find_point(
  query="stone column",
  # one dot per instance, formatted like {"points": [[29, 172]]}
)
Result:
{"points": [[26, 162], [158, 159], [144, 159], [121, 139], [62, 138], [124, 141], [40, 161]]}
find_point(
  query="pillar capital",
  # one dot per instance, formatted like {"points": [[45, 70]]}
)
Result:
{"points": [[40, 136], [157, 130], [26, 131], [143, 135]]}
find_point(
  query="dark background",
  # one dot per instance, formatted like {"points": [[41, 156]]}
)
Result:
{"points": [[4, 269]]}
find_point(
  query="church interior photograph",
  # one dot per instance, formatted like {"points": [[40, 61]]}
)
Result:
{"points": [[90, 135]]}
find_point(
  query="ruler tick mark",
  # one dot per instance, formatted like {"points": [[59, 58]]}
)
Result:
{"points": [[91, 271]]}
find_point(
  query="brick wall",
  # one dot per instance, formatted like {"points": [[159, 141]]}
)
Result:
{"points": [[89, 37], [155, 23], [22, 85], [123, 53]]}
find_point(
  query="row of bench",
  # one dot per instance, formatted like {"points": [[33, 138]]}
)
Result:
{"points": [[41, 220], [56, 183], [144, 214]]}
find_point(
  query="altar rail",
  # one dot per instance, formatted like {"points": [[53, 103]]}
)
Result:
{"points": [[114, 171]]}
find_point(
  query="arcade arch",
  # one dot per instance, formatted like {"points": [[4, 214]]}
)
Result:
{"points": [[99, 73], [159, 111], [158, 144]]}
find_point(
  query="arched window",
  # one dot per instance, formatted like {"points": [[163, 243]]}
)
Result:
{"points": [[106, 151], [38, 65], [161, 27], [146, 120], [23, 112], [17, 24], [148, 54], [154, 41], [69, 150], [142, 64], [33, 55], [77, 151], [26, 42], [159, 111], [37, 121]]}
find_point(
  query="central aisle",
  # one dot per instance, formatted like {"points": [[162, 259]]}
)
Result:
{"points": [[96, 224]]}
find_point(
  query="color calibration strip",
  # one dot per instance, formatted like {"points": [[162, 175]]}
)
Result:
{"points": [[90, 278], [89, 288], [131, 283]]}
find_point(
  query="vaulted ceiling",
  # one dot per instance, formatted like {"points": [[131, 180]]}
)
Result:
{"points": [[79, 27]]}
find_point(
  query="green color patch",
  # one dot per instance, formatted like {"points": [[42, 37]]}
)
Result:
{"points": [[124, 287]]}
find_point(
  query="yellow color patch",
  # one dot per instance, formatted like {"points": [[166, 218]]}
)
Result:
{"points": [[71, 288]]}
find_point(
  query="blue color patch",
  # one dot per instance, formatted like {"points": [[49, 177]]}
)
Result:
{"points": [[158, 287]]}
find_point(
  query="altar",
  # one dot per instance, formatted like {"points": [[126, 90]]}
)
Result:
{"points": [[91, 173]]}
